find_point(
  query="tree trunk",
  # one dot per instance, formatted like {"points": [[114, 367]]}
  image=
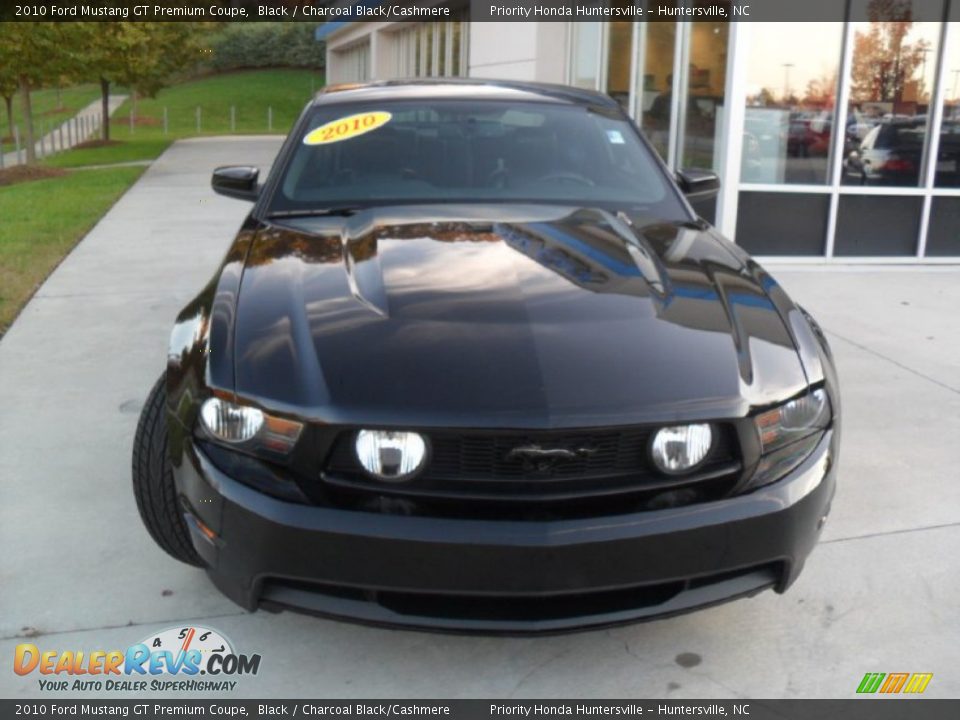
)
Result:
{"points": [[105, 101], [8, 99], [27, 118]]}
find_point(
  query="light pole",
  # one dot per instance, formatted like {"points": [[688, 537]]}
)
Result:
{"points": [[923, 72], [786, 80]]}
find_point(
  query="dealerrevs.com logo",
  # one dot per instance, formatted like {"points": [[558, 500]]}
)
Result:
{"points": [[171, 660]]}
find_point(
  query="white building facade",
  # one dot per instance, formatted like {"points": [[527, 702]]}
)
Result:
{"points": [[836, 141]]}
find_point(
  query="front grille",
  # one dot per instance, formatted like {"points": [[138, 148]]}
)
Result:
{"points": [[485, 457], [611, 466]]}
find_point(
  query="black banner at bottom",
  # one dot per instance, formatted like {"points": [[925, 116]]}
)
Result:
{"points": [[872, 708]]}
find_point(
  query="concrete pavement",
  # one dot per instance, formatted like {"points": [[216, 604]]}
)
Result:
{"points": [[79, 572]]}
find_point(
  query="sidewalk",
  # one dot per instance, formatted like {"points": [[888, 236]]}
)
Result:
{"points": [[83, 126]]}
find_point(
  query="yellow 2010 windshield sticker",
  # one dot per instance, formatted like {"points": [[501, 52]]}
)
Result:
{"points": [[347, 127]]}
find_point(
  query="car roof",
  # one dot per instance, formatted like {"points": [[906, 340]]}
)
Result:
{"points": [[461, 89]]}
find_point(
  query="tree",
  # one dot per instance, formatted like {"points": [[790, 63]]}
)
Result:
{"points": [[141, 56], [166, 49], [8, 89], [822, 91], [884, 64], [764, 98], [33, 52], [107, 44]]}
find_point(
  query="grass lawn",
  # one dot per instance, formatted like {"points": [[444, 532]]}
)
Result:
{"points": [[43, 220], [251, 93], [44, 104]]}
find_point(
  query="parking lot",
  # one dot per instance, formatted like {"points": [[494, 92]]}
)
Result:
{"points": [[79, 572]]}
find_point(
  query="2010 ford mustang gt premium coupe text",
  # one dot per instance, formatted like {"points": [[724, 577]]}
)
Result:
{"points": [[473, 363]]}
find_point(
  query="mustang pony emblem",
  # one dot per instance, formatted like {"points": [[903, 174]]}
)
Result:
{"points": [[540, 459]]}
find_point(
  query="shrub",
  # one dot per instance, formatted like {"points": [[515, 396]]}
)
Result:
{"points": [[258, 45]]}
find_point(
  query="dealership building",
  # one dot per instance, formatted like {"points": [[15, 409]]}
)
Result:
{"points": [[835, 140]]}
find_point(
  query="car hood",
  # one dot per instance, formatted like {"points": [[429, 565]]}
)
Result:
{"points": [[507, 316]]}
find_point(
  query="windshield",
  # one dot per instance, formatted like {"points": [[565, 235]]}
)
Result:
{"points": [[433, 151]]}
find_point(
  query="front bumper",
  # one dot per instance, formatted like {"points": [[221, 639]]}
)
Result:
{"points": [[503, 576]]}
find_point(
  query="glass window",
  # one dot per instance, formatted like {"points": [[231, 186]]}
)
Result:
{"points": [[353, 64], [947, 173], [655, 89], [441, 49], [465, 45], [456, 70], [619, 59], [791, 101], [440, 30], [426, 50], [465, 151], [418, 53], [405, 48], [706, 81], [892, 75], [586, 55]]}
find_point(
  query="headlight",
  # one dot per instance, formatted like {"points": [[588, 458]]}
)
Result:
{"points": [[389, 455], [247, 426], [793, 420], [788, 434], [680, 448]]}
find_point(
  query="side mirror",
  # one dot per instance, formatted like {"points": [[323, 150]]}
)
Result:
{"points": [[698, 184], [236, 181]]}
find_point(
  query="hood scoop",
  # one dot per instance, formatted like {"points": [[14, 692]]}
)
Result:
{"points": [[365, 278], [362, 264]]}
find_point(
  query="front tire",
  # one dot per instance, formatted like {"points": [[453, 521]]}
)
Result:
{"points": [[153, 484]]}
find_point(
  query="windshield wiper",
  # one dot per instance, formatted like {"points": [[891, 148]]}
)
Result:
{"points": [[340, 211]]}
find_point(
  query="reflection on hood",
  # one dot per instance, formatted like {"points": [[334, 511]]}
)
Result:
{"points": [[559, 294]]}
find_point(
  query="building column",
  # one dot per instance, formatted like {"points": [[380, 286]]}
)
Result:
{"points": [[731, 130]]}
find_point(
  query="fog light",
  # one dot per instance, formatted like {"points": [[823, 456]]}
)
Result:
{"points": [[389, 455], [680, 448]]}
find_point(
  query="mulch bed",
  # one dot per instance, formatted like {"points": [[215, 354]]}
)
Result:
{"points": [[26, 173], [143, 120], [97, 143]]}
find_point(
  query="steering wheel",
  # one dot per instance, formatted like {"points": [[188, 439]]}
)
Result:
{"points": [[566, 176]]}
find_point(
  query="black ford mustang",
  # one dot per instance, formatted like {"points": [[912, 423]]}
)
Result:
{"points": [[473, 362]]}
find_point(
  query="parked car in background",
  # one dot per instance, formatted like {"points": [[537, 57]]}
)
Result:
{"points": [[809, 136], [947, 173], [892, 154]]}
